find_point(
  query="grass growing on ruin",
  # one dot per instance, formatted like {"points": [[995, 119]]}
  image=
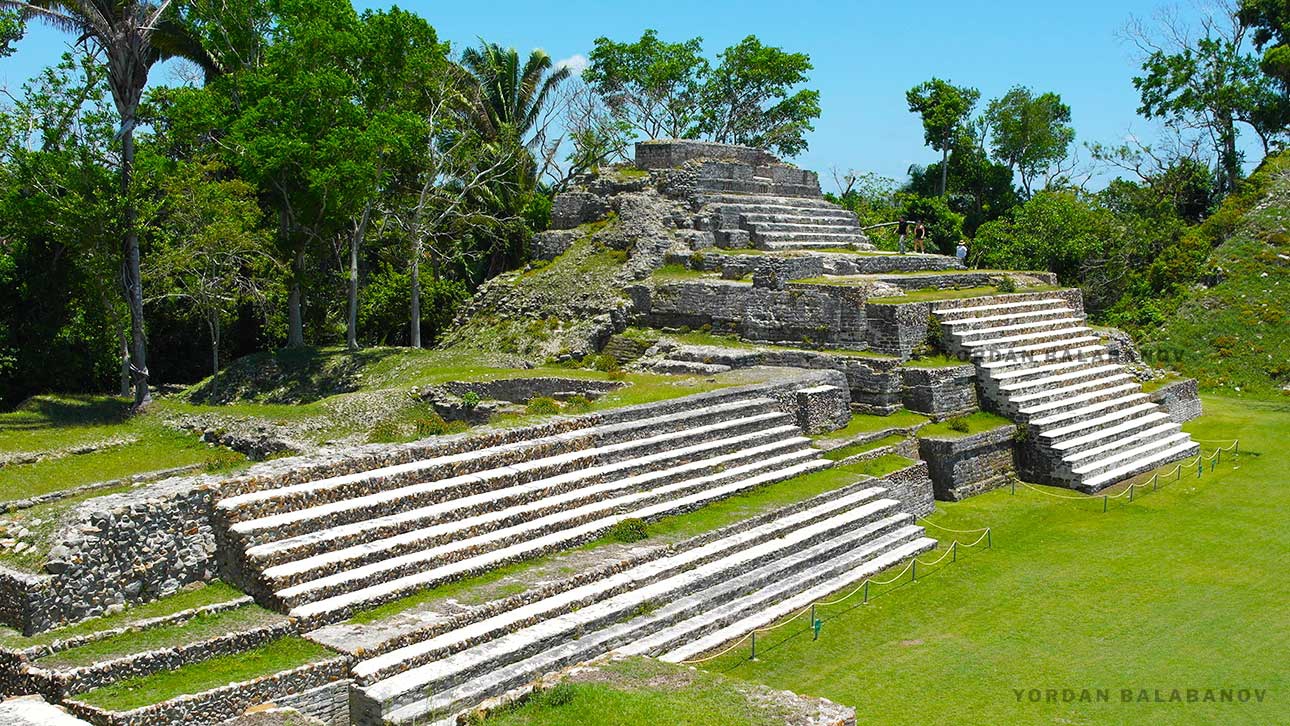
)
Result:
{"points": [[939, 360], [864, 423], [1180, 588], [208, 594], [1158, 383], [935, 295], [849, 450], [201, 627], [960, 426], [273, 657]]}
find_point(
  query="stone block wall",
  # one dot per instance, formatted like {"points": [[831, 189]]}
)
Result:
{"points": [[897, 329], [1180, 399], [672, 153], [968, 465], [821, 409], [940, 392], [912, 487]]}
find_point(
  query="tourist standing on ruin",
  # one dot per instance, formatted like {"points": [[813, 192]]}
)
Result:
{"points": [[920, 235], [902, 229], [961, 252]]}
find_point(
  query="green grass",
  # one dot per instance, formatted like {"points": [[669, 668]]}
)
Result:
{"points": [[642, 691], [1182, 588], [199, 628], [1158, 383], [208, 594], [863, 423], [936, 361], [976, 423], [930, 295], [849, 450], [675, 271], [277, 655]]}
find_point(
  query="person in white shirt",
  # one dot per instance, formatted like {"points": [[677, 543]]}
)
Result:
{"points": [[961, 252]]}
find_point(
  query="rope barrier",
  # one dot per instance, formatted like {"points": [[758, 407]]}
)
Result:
{"points": [[924, 521], [951, 551]]}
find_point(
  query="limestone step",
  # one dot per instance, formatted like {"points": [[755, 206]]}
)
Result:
{"points": [[821, 216], [1029, 340], [1077, 418], [1048, 395], [1021, 374], [1182, 450], [685, 367], [372, 563], [509, 661], [303, 520], [1117, 442], [795, 245], [1068, 374], [838, 226], [1043, 350], [709, 489], [1139, 450], [1079, 354], [1074, 444], [972, 323], [1029, 326], [674, 641], [307, 494], [740, 551], [765, 200], [951, 313], [495, 508], [837, 238], [1078, 401], [898, 546]]}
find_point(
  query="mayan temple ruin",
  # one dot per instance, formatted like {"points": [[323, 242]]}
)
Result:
{"points": [[717, 266]]}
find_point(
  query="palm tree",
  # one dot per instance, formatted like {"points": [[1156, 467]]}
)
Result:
{"points": [[133, 35], [511, 98]]}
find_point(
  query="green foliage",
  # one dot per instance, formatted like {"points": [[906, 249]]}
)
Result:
{"points": [[1270, 20], [1006, 284], [577, 404], [470, 400], [11, 29], [652, 84], [944, 109], [1055, 230], [1029, 132], [748, 99], [629, 530], [944, 227], [383, 306], [542, 406], [959, 424]]}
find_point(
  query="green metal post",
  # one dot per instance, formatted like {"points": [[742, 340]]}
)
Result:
{"points": [[989, 542], [1104, 503], [954, 551], [913, 571], [816, 630], [1130, 492], [754, 645], [866, 591]]}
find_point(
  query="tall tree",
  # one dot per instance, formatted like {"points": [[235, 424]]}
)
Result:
{"points": [[132, 35], [944, 108], [1028, 132], [512, 96], [748, 98], [1270, 20], [653, 84], [11, 29]]}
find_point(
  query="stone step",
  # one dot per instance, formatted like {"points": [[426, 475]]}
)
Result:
{"points": [[1098, 418], [517, 674], [511, 505], [950, 314], [808, 245], [1138, 451], [763, 200], [1055, 323], [733, 554], [687, 368], [1071, 445], [1072, 373], [373, 563], [1183, 450], [1041, 351], [307, 494], [1020, 374], [1050, 395], [510, 660], [300, 521], [840, 239], [1074, 418], [971, 323], [837, 227], [714, 488], [1117, 442], [821, 216], [681, 646], [1105, 392], [1028, 340], [1080, 354]]}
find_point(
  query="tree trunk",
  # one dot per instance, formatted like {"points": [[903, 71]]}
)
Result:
{"points": [[945, 166], [125, 365], [295, 323], [133, 279], [214, 327], [416, 292], [1231, 160], [356, 241]]}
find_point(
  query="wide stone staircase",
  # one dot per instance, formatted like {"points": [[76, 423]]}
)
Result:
{"points": [[324, 549], [691, 599], [1089, 424], [784, 223]]}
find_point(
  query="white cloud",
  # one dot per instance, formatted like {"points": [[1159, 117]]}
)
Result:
{"points": [[576, 63]]}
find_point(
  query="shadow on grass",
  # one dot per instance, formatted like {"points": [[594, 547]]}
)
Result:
{"points": [[289, 376], [46, 412]]}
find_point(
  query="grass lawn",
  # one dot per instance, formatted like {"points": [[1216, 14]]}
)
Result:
{"points": [[275, 656], [960, 426], [937, 361], [843, 452], [864, 423], [934, 295], [1181, 588]]}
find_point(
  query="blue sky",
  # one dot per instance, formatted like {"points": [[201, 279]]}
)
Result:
{"points": [[866, 55]]}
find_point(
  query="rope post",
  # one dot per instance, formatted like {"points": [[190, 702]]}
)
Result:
{"points": [[1104, 502], [989, 544], [1155, 482], [754, 645], [1130, 492], [1212, 464], [815, 628], [1014, 486], [913, 571], [1219, 456], [866, 592], [1236, 447], [1179, 470], [1200, 466], [954, 551]]}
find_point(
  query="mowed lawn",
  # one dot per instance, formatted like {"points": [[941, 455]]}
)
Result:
{"points": [[1183, 588]]}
